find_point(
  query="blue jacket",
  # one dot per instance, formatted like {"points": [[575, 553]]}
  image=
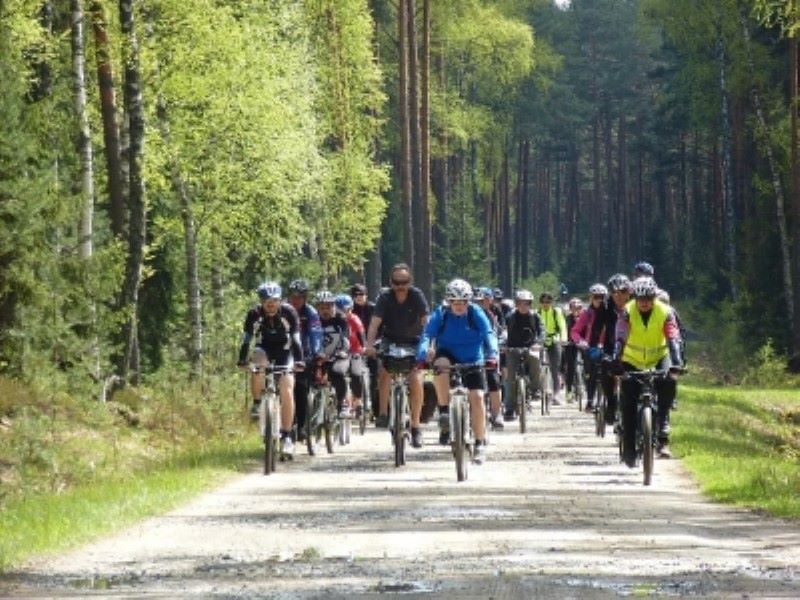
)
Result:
{"points": [[469, 338], [310, 331]]}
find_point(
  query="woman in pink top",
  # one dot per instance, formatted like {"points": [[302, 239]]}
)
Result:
{"points": [[588, 335]]}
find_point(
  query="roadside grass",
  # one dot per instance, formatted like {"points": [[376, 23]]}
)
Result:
{"points": [[48, 523], [742, 445]]}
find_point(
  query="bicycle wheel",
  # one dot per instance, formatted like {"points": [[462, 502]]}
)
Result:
{"points": [[457, 419], [578, 386], [600, 408], [398, 426], [522, 403], [647, 444], [329, 422], [546, 383], [269, 441], [365, 404], [312, 433]]}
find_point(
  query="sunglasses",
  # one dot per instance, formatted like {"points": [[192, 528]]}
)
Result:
{"points": [[359, 294], [399, 282], [457, 302]]}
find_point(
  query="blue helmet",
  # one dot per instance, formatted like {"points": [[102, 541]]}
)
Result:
{"points": [[485, 293], [270, 290], [344, 302]]}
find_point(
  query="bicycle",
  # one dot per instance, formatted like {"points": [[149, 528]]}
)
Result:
{"points": [[647, 431], [579, 381], [461, 442], [600, 401], [269, 418], [523, 385], [398, 362], [322, 417], [546, 379]]}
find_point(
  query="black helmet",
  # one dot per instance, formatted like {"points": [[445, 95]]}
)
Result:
{"points": [[358, 288], [298, 286], [498, 294], [644, 269]]}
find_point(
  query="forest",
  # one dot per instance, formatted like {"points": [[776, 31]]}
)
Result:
{"points": [[160, 158]]}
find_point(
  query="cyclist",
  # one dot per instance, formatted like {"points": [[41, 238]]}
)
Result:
{"points": [[276, 327], [570, 357], [358, 337], [646, 338], [590, 339], [603, 330], [334, 354], [363, 308], [523, 330], [497, 320], [311, 339], [460, 333], [401, 312], [500, 303], [555, 333]]}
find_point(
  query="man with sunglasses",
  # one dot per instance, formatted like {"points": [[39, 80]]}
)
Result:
{"points": [[401, 314]]}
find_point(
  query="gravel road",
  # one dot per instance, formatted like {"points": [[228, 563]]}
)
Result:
{"points": [[552, 514]]}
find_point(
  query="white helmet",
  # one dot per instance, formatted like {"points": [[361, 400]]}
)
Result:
{"points": [[523, 296], [458, 289], [644, 287], [598, 289]]}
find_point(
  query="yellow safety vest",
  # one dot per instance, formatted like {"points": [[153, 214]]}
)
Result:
{"points": [[646, 344], [553, 322]]}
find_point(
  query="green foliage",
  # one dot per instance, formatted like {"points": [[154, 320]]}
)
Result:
{"points": [[544, 282], [769, 370]]}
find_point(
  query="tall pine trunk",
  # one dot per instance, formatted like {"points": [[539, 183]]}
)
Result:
{"points": [[728, 195], [794, 211], [425, 271], [108, 112], [136, 199], [405, 133]]}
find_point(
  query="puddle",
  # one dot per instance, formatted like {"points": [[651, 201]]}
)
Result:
{"points": [[412, 587]]}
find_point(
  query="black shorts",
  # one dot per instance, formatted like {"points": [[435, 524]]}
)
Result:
{"points": [[474, 379]]}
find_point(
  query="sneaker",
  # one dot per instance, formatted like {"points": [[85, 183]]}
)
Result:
{"points": [[664, 451], [496, 423], [382, 421], [508, 416], [287, 448], [444, 422], [255, 409], [301, 434], [416, 437], [444, 438], [554, 401], [479, 454]]}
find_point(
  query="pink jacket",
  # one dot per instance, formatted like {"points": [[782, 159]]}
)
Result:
{"points": [[582, 330]]}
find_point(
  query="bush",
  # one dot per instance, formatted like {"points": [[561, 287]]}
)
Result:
{"points": [[769, 370]]}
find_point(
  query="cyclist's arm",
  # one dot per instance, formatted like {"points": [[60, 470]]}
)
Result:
{"points": [[581, 325], [621, 334], [429, 333], [314, 332], [372, 332], [247, 337]]}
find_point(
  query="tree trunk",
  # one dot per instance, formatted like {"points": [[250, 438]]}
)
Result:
{"points": [[425, 271], [85, 228], [136, 199], [728, 198], [405, 134], [525, 213], [108, 111], [795, 193]]}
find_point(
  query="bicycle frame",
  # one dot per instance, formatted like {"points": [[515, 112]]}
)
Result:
{"points": [[398, 362]]}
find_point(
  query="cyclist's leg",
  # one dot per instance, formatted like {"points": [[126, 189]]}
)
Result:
{"points": [[476, 385], [607, 381], [535, 371], [665, 389], [384, 385], [568, 366], [358, 377], [493, 385], [286, 390], [554, 356], [416, 380], [336, 377], [257, 381]]}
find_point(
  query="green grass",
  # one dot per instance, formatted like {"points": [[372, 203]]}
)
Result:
{"points": [[743, 446], [47, 523]]}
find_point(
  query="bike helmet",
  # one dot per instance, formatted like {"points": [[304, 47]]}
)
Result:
{"points": [[575, 302], [523, 296], [485, 293], [619, 282], [358, 288], [598, 289], [644, 287], [344, 302], [298, 286], [644, 269], [324, 297], [270, 290], [546, 297], [458, 289], [498, 293]]}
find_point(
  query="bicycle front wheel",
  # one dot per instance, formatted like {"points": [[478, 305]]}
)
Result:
{"points": [[600, 408], [459, 426], [269, 440], [546, 389], [647, 444], [522, 403], [398, 426]]}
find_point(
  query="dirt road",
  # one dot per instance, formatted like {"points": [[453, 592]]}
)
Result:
{"points": [[552, 514]]}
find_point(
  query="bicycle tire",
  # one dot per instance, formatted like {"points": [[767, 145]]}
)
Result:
{"points": [[545, 375], [398, 399], [329, 424], [269, 441], [577, 385], [522, 404], [458, 426], [600, 407], [311, 429], [365, 403], [647, 444]]}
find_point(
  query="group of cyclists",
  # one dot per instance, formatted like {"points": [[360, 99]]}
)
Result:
{"points": [[626, 325]]}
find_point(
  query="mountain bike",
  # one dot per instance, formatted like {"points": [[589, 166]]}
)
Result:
{"points": [[399, 361], [579, 381], [322, 417], [546, 378], [461, 442], [647, 431], [269, 416], [523, 385]]}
